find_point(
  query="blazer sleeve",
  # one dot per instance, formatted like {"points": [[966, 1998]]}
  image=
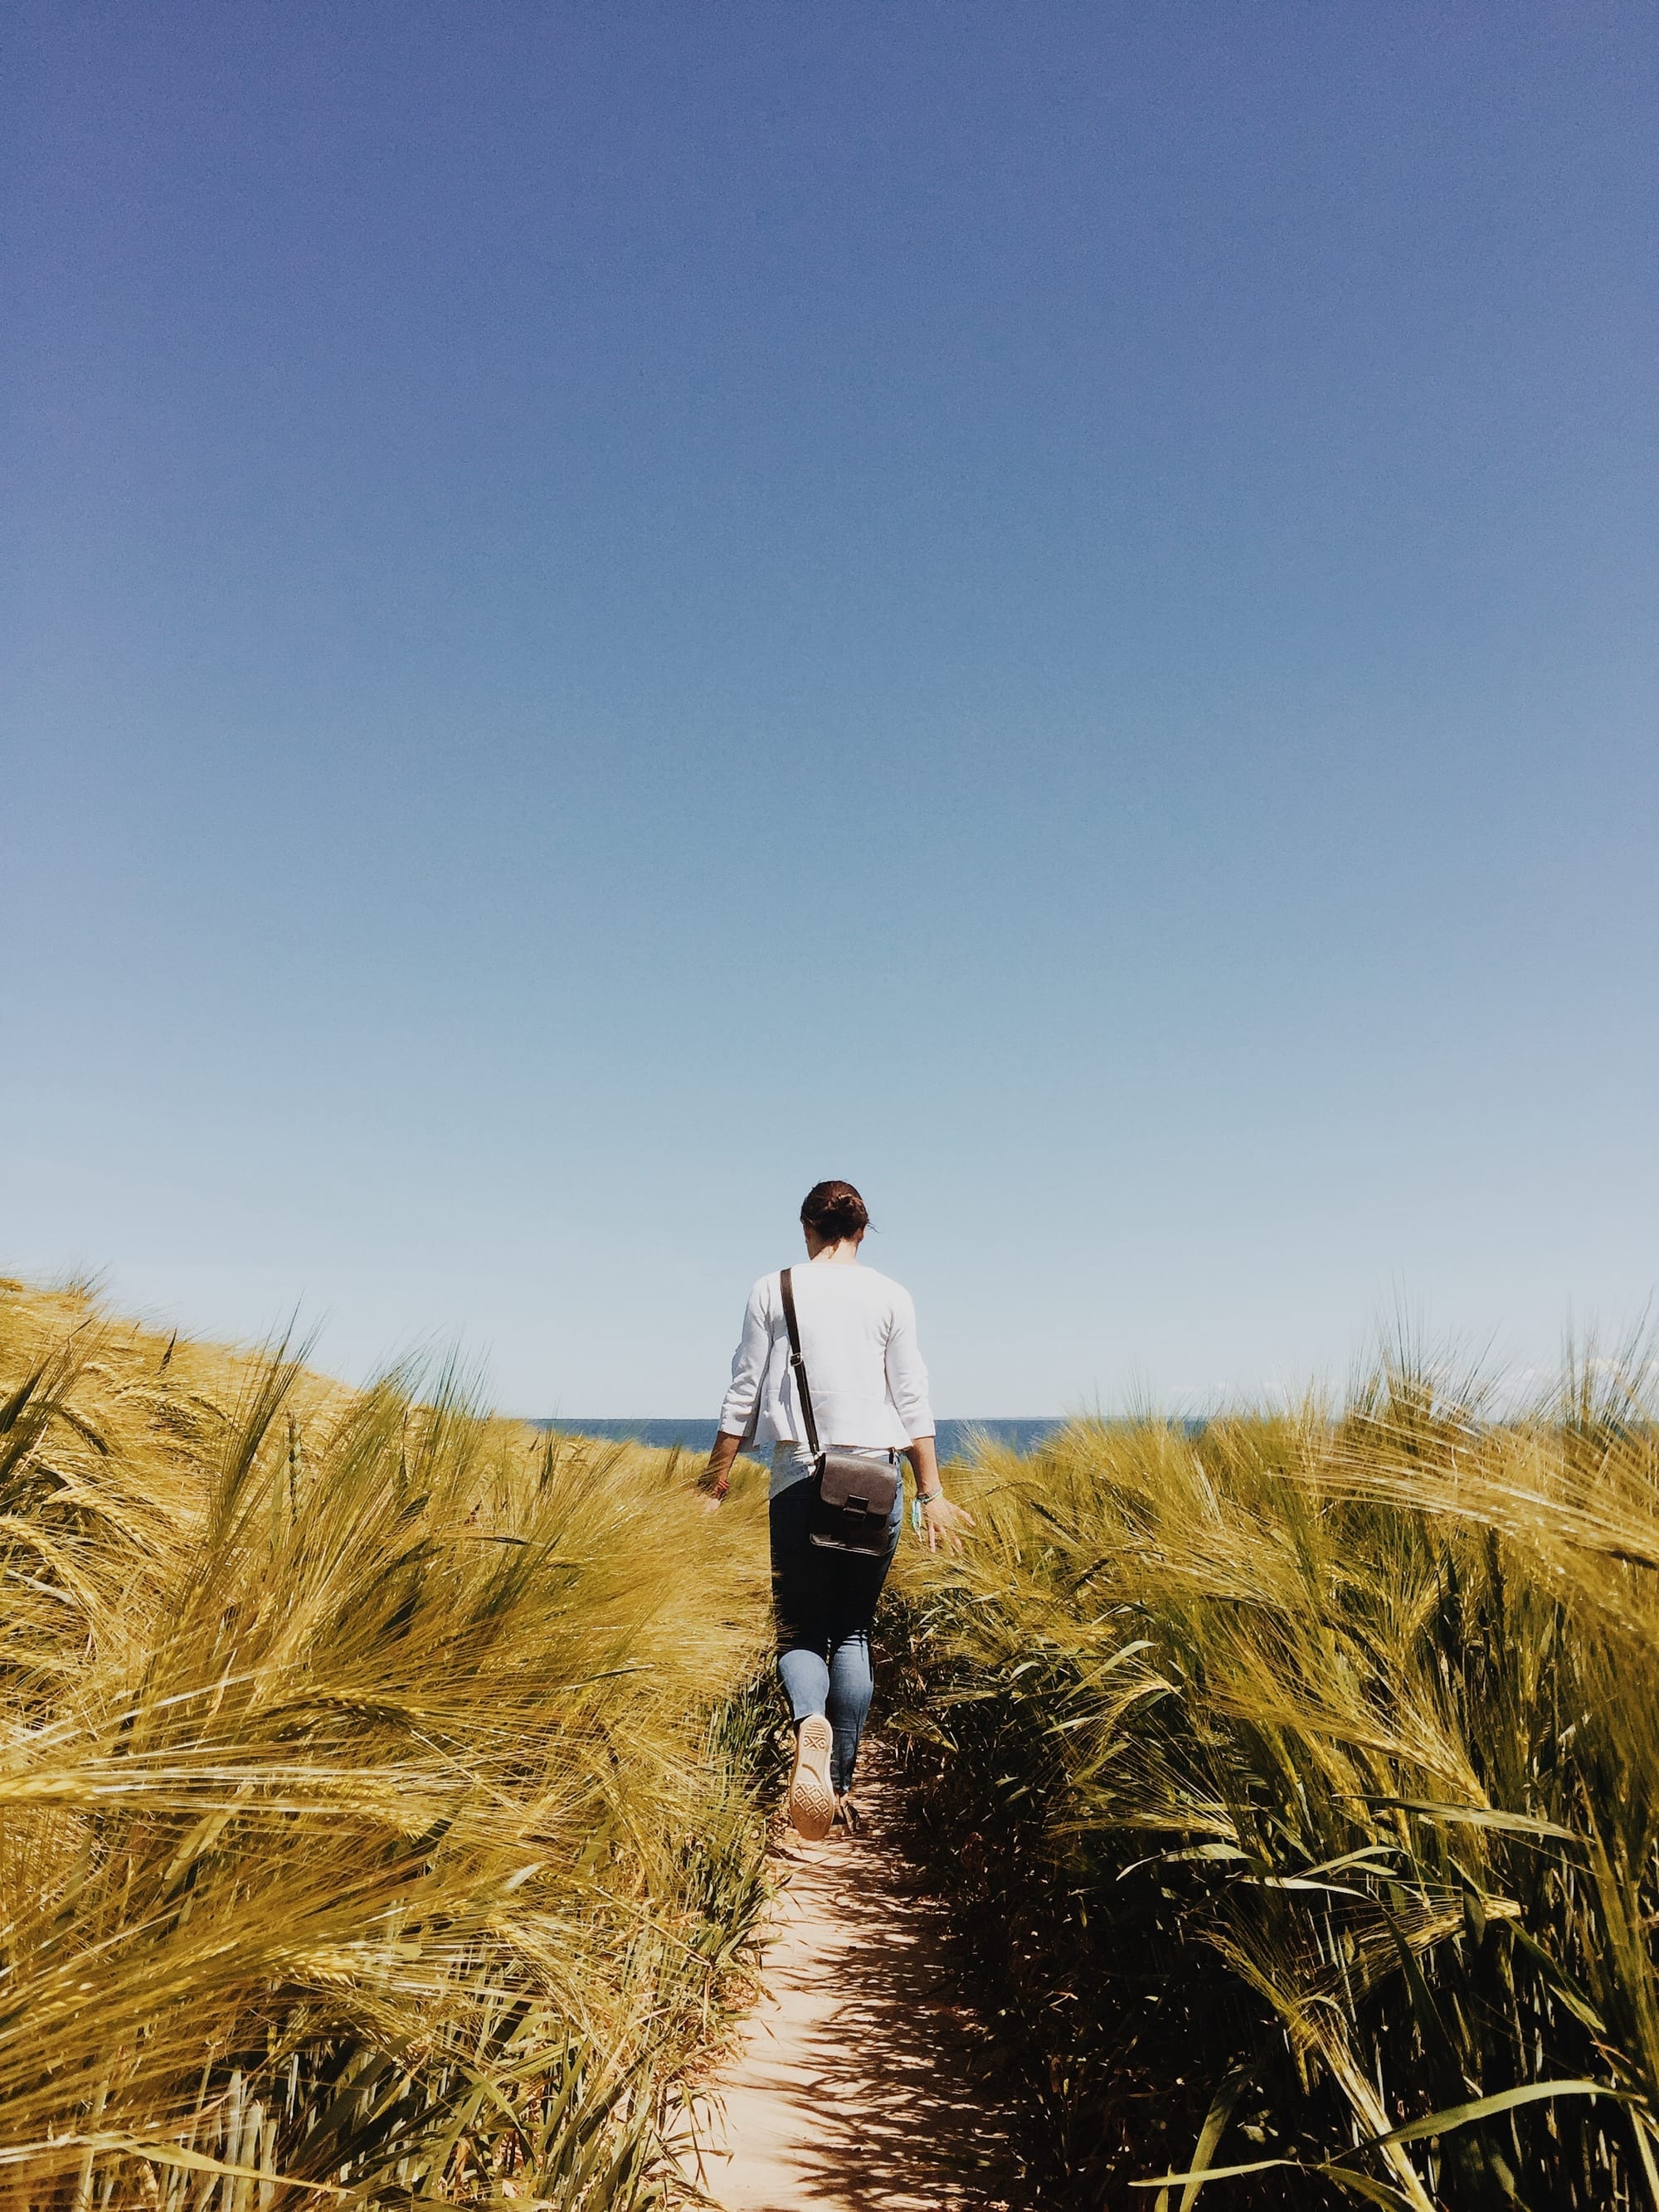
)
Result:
{"points": [[906, 1377], [749, 1363]]}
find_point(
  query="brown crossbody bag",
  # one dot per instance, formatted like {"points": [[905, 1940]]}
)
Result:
{"points": [[852, 1492]]}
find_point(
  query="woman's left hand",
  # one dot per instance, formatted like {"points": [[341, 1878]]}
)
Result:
{"points": [[943, 1523]]}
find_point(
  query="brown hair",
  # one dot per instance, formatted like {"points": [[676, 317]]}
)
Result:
{"points": [[833, 1211]]}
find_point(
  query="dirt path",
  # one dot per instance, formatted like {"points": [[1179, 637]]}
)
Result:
{"points": [[857, 2081]]}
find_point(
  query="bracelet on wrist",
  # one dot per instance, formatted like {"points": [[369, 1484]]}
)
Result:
{"points": [[929, 1497]]}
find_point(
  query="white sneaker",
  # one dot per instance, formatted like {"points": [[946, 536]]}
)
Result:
{"points": [[811, 1799]]}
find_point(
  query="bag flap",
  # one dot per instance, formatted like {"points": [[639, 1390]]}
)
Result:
{"points": [[853, 1482]]}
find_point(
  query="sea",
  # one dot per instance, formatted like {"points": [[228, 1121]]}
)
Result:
{"points": [[956, 1438]]}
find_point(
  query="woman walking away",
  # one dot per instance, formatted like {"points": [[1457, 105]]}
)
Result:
{"points": [[827, 1374]]}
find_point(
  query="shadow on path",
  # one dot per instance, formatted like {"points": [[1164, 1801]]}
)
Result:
{"points": [[859, 2081]]}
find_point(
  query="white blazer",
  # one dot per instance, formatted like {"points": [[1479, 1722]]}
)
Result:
{"points": [[858, 1338]]}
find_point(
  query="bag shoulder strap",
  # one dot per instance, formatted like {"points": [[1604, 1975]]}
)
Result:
{"points": [[797, 1363]]}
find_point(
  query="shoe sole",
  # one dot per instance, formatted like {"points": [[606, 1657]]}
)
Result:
{"points": [[811, 1799]]}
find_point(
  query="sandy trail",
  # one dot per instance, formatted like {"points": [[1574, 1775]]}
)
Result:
{"points": [[858, 2080]]}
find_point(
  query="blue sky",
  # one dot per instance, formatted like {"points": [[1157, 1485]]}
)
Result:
{"points": [[610, 611]]}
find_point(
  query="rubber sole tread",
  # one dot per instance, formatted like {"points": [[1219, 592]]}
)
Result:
{"points": [[811, 1799]]}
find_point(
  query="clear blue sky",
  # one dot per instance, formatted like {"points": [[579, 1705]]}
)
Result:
{"points": [[611, 610]]}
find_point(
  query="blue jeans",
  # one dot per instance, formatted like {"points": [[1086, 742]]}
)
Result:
{"points": [[825, 1602]]}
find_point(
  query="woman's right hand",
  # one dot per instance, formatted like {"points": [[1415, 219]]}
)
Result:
{"points": [[716, 1476]]}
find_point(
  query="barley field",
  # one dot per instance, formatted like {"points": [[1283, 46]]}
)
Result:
{"points": [[383, 1791], [1298, 1784], [378, 1822]]}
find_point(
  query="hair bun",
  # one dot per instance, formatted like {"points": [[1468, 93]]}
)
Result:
{"points": [[834, 1211]]}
